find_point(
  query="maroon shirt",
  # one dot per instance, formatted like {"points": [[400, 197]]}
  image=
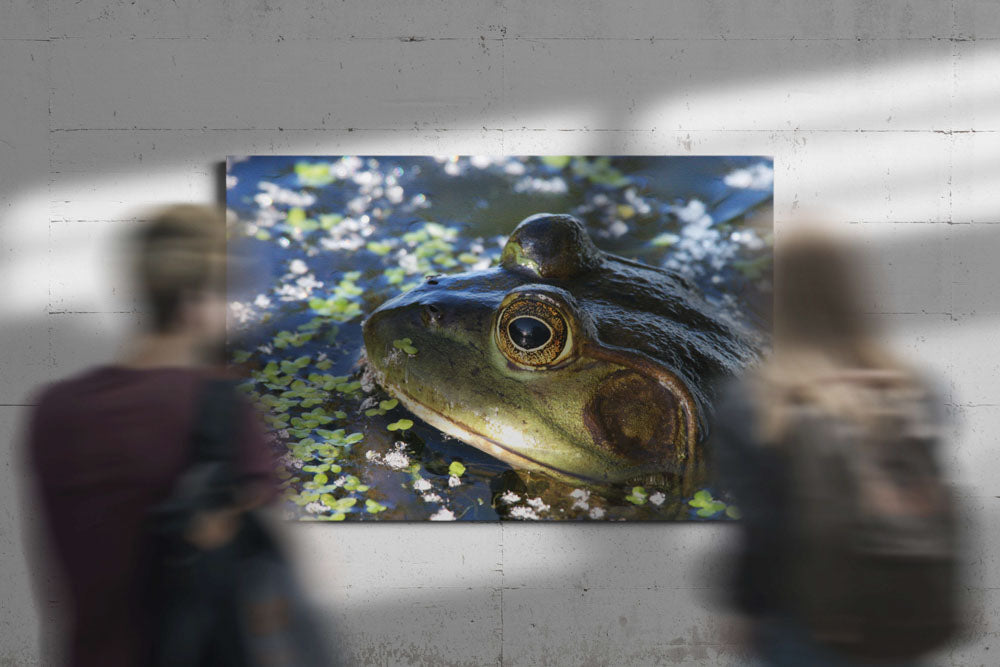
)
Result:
{"points": [[105, 447]]}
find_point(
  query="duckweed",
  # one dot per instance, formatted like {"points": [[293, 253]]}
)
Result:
{"points": [[638, 496], [404, 344], [374, 507], [401, 425], [708, 507], [315, 175], [379, 248]]}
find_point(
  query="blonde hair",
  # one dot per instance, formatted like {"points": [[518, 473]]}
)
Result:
{"points": [[180, 252]]}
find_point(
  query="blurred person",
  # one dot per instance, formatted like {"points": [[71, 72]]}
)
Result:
{"points": [[110, 447], [848, 540]]}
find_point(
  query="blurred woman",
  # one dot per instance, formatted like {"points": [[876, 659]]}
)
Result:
{"points": [[109, 444], [829, 449]]}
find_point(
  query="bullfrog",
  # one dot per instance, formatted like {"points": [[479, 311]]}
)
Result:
{"points": [[564, 359]]}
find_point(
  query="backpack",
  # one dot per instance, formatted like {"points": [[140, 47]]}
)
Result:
{"points": [[237, 605], [873, 549]]}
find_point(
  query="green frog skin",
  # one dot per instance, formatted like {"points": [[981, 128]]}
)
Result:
{"points": [[563, 360]]}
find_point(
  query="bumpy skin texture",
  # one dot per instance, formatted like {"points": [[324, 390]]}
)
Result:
{"points": [[623, 396]]}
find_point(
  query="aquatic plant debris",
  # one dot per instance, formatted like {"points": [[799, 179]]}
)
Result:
{"points": [[638, 496], [401, 425], [708, 507], [404, 344]]}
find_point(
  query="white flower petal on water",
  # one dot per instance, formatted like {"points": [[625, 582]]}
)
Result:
{"points": [[240, 312], [524, 513], [693, 211], [274, 193], [555, 185], [538, 504], [597, 513], [443, 514], [394, 194], [514, 168], [657, 498], [509, 497], [758, 177], [396, 459]]}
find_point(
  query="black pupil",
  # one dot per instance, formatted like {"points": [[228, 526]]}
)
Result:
{"points": [[528, 333]]}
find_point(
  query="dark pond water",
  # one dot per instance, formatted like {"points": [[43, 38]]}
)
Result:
{"points": [[321, 242]]}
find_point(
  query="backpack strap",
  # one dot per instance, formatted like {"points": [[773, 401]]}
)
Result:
{"points": [[215, 422]]}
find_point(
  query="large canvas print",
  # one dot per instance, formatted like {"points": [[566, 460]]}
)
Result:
{"points": [[497, 337]]}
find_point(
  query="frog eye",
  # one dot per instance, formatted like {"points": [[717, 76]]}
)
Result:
{"points": [[532, 333]]}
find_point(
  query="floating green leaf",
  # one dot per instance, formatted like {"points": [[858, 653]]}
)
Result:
{"points": [[338, 504], [456, 468], [665, 239], [295, 215], [395, 275], [404, 344], [314, 174], [240, 356], [373, 506], [599, 171], [638, 496], [707, 506], [555, 161], [352, 483], [401, 425], [330, 221], [379, 247]]}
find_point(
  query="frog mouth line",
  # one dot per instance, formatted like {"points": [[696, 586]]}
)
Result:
{"points": [[492, 447]]}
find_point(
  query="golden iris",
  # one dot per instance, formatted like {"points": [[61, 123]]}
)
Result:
{"points": [[532, 333]]}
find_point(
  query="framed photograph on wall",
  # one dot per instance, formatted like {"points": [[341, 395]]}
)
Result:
{"points": [[497, 337]]}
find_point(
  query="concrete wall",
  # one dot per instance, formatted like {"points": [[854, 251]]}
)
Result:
{"points": [[886, 113]]}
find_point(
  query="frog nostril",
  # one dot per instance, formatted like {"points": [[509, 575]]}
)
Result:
{"points": [[432, 314]]}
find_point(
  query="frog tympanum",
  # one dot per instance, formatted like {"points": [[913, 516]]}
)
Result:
{"points": [[563, 359]]}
